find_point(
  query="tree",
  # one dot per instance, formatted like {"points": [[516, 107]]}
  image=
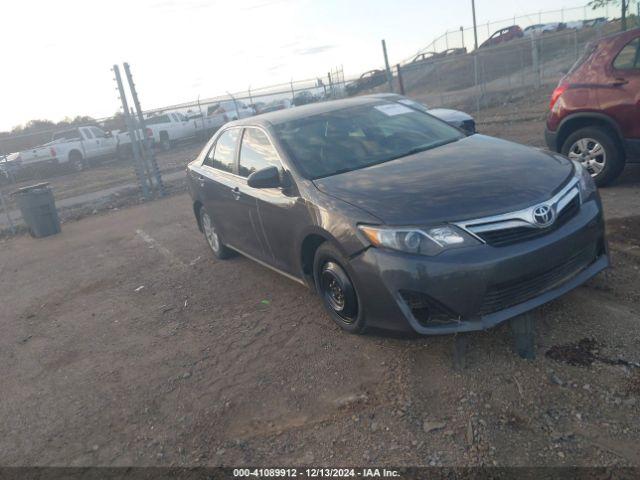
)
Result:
{"points": [[624, 4]]}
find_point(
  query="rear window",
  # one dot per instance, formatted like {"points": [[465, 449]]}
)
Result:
{"points": [[157, 119], [589, 49], [68, 135], [629, 56]]}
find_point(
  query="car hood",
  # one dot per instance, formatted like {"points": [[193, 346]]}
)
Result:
{"points": [[449, 115], [474, 177]]}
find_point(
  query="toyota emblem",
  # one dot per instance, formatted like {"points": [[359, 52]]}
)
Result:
{"points": [[543, 215]]}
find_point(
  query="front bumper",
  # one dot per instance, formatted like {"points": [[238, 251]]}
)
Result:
{"points": [[479, 287]]}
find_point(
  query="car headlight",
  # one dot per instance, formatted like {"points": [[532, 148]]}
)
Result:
{"points": [[585, 181], [429, 241]]}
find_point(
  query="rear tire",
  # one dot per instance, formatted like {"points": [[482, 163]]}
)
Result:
{"points": [[165, 142], [76, 161], [597, 149], [219, 249], [337, 290]]}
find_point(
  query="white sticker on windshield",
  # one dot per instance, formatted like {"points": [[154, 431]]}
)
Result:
{"points": [[393, 109]]}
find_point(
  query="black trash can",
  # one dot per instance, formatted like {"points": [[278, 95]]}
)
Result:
{"points": [[38, 209]]}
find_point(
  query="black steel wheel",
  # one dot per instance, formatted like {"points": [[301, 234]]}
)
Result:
{"points": [[337, 290]]}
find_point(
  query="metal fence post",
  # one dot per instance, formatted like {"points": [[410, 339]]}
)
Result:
{"points": [[3, 203], [536, 61], [462, 35], [148, 155], [386, 64], [475, 79], [400, 82], [142, 181]]}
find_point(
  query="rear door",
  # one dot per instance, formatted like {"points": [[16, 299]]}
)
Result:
{"points": [[219, 183], [269, 213]]}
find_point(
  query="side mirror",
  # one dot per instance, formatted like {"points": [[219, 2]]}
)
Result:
{"points": [[108, 134], [268, 177]]}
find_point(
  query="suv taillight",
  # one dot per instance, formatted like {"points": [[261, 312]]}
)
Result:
{"points": [[52, 151], [557, 93], [149, 133]]}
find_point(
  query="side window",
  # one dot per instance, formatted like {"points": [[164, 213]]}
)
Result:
{"points": [[629, 56], [87, 133], [256, 152], [222, 155], [97, 132]]}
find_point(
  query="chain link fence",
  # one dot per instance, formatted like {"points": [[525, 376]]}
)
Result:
{"points": [[448, 72]]}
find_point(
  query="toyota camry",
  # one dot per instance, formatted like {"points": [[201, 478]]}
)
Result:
{"points": [[397, 219]]}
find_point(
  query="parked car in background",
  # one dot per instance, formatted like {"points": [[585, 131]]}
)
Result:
{"points": [[367, 81], [460, 120], [396, 219], [230, 110], [427, 57], [76, 147], [575, 25], [304, 98], [169, 128], [275, 105], [594, 114], [424, 57], [594, 22], [541, 28], [125, 146], [503, 35]]}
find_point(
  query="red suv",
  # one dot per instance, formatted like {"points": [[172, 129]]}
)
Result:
{"points": [[595, 109]]}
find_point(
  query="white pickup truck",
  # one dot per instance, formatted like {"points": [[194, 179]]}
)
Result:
{"points": [[169, 128], [74, 146]]}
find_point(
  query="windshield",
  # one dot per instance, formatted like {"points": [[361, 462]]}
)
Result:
{"points": [[357, 137]]}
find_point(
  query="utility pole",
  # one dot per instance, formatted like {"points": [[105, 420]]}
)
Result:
{"points": [[386, 65], [146, 144], [137, 161], [475, 25], [624, 14]]}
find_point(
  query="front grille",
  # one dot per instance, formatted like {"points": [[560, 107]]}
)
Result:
{"points": [[514, 292], [509, 236]]}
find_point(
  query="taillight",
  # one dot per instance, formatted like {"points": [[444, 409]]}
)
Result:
{"points": [[557, 93], [52, 151], [149, 133]]}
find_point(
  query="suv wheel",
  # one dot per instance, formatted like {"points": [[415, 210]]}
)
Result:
{"points": [[336, 289], [220, 250], [598, 152]]}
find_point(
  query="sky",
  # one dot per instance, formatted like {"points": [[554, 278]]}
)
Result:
{"points": [[57, 55]]}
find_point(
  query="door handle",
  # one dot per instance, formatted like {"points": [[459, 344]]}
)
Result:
{"points": [[618, 82], [236, 193]]}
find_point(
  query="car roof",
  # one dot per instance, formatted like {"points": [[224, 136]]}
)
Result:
{"points": [[304, 111]]}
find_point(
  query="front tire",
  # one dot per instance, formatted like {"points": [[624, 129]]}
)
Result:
{"points": [[337, 290], [219, 249], [598, 151]]}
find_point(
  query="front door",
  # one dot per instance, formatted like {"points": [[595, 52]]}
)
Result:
{"points": [[269, 211]]}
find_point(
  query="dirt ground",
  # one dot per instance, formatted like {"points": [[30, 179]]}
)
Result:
{"points": [[125, 343]]}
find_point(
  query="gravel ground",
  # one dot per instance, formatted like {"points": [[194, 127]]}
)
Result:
{"points": [[125, 343]]}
